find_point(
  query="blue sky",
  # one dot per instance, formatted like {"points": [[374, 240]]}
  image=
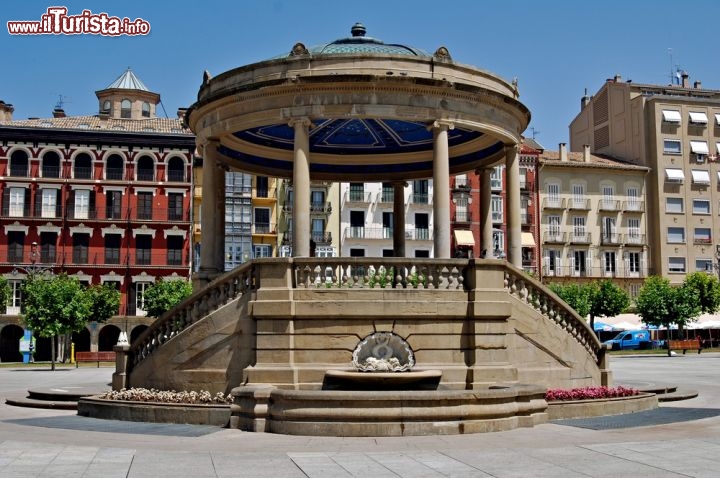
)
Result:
{"points": [[556, 49]]}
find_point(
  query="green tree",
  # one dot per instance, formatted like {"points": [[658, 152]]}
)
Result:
{"points": [[4, 294], [659, 303], [163, 295], [575, 295], [55, 305], [606, 300], [708, 289], [105, 302]]}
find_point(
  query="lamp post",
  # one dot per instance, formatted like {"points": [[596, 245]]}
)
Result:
{"points": [[34, 268]]}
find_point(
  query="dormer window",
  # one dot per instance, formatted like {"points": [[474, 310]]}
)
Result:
{"points": [[125, 109], [146, 109]]}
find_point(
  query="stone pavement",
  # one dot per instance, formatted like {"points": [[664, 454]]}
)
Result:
{"points": [[681, 439]]}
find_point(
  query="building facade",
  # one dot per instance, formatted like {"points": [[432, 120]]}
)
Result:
{"points": [[593, 219], [105, 198], [675, 131]]}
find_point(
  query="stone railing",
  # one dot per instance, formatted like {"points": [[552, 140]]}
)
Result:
{"points": [[379, 273], [218, 293], [551, 306]]}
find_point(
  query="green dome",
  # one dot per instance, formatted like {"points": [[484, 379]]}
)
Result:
{"points": [[361, 44]]}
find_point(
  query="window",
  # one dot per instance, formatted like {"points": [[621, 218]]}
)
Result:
{"points": [[498, 238], [633, 259], [553, 192], [81, 244], [388, 193], [357, 224], [357, 192], [82, 167], [317, 201], [357, 252], [262, 220], [579, 228], [703, 265], [51, 165], [554, 228], [113, 203], [262, 189], [106, 106], [671, 116], [701, 206], [633, 201], [552, 262], [144, 205], [676, 264], [112, 249], [579, 262], [125, 109], [608, 197], [388, 253], [422, 231], [318, 230], [609, 264], [387, 219], [114, 167], [672, 146], [676, 235], [578, 191], [420, 192], [175, 207], [496, 178], [702, 235], [15, 300], [143, 249], [608, 231], [16, 201], [674, 205], [461, 209], [174, 250], [48, 203], [139, 289], [422, 253], [48, 247], [146, 109], [145, 169], [633, 230], [16, 244], [176, 170], [497, 208], [81, 203], [262, 250], [19, 164]]}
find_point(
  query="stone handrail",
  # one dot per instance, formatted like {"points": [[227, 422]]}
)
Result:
{"points": [[218, 293], [530, 291], [379, 273]]}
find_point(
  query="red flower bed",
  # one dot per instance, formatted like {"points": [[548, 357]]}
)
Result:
{"points": [[589, 393]]}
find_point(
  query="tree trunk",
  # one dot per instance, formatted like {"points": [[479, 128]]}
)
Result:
{"points": [[52, 353], [667, 342]]}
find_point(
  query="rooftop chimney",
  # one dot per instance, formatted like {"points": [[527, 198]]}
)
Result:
{"points": [[617, 79], [181, 113], [584, 101], [698, 85], [58, 113], [563, 152], [685, 79], [6, 111], [586, 153]]}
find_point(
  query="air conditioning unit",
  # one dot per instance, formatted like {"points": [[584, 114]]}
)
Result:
{"points": [[700, 158]]}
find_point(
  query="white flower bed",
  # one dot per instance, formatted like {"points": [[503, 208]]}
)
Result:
{"points": [[202, 397]]}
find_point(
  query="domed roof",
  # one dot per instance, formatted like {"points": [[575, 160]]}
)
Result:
{"points": [[359, 43]]}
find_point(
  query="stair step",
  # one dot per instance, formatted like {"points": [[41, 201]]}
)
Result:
{"points": [[31, 403]]}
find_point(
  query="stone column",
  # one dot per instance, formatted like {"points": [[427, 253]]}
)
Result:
{"points": [[399, 218], [514, 223], [441, 189], [486, 224], [301, 188], [211, 246]]}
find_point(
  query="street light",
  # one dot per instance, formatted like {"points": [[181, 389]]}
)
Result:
{"points": [[33, 268]]}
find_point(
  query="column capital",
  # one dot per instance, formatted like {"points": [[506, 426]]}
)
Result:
{"points": [[512, 148], [441, 124], [301, 121], [402, 184]]}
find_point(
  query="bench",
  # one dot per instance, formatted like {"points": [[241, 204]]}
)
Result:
{"points": [[684, 345], [94, 357]]}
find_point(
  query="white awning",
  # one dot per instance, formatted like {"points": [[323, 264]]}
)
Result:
{"points": [[698, 117], [717, 145], [717, 119], [700, 177], [527, 239], [674, 174], [464, 238], [671, 116], [699, 147]]}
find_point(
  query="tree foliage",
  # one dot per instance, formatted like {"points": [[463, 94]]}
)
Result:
{"points": [[105, 302], [659, 303], [607, 299], [4, 293], [164, 295], [575, 295], [708, 289]]}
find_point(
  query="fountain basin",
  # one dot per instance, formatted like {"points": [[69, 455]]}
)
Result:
{"points": [[354, 380]]}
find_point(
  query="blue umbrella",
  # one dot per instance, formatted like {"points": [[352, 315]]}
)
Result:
{"points": [[602, 326]]}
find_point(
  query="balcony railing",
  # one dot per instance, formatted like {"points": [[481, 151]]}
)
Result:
{"points": [[578, 237], [555, 237], [421, 199], [264, 228], [579, 204], [145, 175], [553, 203], [419, 235], [19, 171], [633, 206], [600, 271], [321, 207], [269, 192], [460, 183], [357, 197], [463, 217], [114, 173], [175, 176], [610, 238], [634, 238], [609, 205], [385, 197], [82, 173], [320, 237], [50, 172]]}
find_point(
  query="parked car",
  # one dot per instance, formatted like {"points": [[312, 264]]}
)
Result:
{"points": [[631, 340]]}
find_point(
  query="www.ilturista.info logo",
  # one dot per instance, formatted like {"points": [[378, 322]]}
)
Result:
{"points": [[57, 22]]}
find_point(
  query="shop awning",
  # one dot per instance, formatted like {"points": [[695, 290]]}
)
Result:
{"points": [[528, 240], [464, 238]]}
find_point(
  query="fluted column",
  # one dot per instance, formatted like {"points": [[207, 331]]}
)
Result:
{"points": [[301, 188], [441, 189], [486, 224], [514, 223], [212, 208], [399, 218]]}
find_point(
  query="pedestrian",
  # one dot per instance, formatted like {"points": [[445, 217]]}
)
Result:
{"points": [[31, 349]]}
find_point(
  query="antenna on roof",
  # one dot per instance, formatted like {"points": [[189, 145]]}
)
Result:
{"points": [[534, 132], [60, 102], [163, 108]]}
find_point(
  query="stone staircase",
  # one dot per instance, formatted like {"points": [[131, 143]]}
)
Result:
{"points": [[57, 398]]}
